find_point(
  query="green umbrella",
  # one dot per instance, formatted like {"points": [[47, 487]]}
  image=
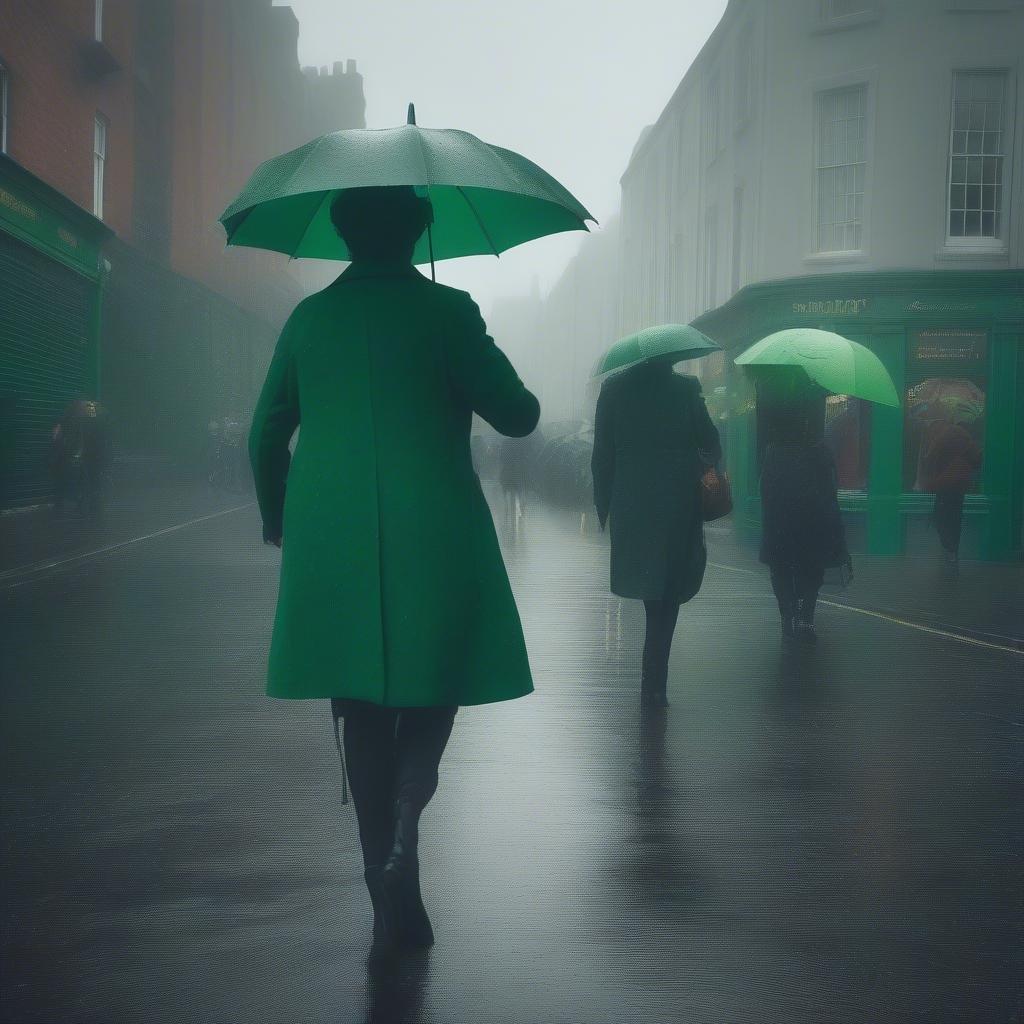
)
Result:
{"points": [[485, 199], [679, 340], [833, 362]]}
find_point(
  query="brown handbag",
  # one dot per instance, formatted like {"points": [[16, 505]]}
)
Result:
{"points": [[715, 495]]}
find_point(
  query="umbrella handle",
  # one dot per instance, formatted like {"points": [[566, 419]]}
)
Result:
{"points": [[430, 244]]}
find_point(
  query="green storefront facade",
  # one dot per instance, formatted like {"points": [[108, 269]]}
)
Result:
{"points": [[964, 326], [51, 283]]}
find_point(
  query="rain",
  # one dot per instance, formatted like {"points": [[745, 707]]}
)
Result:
{"points": [[511, 512]]}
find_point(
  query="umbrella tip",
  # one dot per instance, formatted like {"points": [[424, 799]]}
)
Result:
{"points": [[410, 117]]}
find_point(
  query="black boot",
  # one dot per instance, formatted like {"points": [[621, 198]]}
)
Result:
{"points": [[401, 877], [804, 626], [386, 930]]}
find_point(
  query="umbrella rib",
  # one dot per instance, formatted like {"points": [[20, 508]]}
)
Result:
{"points": [[480, 223], [319, 206]]}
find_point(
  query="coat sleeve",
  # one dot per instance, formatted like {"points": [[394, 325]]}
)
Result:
{"points": [[273, 423], [484, 378], [602, 462], [709, 445]]}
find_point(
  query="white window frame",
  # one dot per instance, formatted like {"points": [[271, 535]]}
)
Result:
{"points": [[97, 21], [100, 138], [968, 247], [863, 77], [5, 85]]}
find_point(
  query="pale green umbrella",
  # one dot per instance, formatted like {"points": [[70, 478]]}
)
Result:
{"points": [[833, 362], [485, 199], [678, 340]]}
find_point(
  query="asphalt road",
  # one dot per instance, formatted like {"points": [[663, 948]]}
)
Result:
{"points": [[823, 835]]}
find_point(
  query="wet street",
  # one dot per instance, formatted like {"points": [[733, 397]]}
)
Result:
{"points": [[829, 834]]}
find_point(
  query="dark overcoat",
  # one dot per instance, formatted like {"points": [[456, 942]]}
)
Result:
{"points": [[801, 523], [653, 439], [393, 589]]}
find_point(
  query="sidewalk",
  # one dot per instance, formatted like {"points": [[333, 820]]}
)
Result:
{"points": [[985, 602], [32, 540]]}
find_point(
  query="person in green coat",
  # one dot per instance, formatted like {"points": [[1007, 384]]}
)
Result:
{"points": [[653, 439], [394, 601]]}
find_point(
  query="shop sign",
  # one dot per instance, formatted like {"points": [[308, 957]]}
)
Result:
{"points": [[942, 307], [949, 345], [832, 307]]}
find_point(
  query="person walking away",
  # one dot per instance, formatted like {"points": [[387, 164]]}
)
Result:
{"points": [[802, 527], [80, 456], [514, 457], [948, 463], [653, 440], [394, 602]]}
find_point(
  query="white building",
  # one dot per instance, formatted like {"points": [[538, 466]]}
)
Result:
{"points": [[854, 165]]}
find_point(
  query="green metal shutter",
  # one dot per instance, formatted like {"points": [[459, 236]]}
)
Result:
{"points": [[44, 351]]}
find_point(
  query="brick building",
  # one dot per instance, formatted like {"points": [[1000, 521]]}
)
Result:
{"points": [[127, 126]]}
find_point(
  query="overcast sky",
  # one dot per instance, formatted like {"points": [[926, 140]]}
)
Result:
{"points": [[568, 83]]}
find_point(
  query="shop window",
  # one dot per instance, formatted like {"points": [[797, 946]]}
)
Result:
{"points": [[848, 436], [944, 404], [977, 148], [841, 168]]}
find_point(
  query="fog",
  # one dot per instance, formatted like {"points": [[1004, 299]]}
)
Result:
{"points": [[659, 662], [570, 85]]}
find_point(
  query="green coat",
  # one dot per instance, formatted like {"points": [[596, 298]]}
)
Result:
{"points": [[393, 589], [653, 439]]}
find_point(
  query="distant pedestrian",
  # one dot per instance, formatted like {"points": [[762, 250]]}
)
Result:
{"points": [[802, 528], [653, 440], [515, 456], [80, 456], [394, 601], [948, 462]]}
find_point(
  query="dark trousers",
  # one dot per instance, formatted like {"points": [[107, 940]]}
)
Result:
{"points": [[796, 589], [661, 625], [391, 754], [948, 517]]}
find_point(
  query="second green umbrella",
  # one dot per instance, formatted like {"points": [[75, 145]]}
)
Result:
{"points": [[679, 340], [833, 362]]}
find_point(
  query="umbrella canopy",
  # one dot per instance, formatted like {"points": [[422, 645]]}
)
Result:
{"points": [[940, 398], [679, 340], [833, 362], [485, 199]]}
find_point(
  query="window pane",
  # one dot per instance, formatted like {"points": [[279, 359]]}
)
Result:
{"points": [[961, 115], [847, 435], [973, 197], [957, 197], [958, 170], [956, 223], [988, 225], [974, 167], [972, 223], [977, 119], [938, 410], [841, 167]]}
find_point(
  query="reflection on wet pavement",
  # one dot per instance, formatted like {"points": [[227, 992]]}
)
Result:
{"points": [[818, 835]]}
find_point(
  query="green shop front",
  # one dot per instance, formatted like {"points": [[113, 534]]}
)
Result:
{"points": [[952, 329], [50, 301]]}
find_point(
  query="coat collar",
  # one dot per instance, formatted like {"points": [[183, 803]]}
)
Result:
{"points": [[360, 269]]}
